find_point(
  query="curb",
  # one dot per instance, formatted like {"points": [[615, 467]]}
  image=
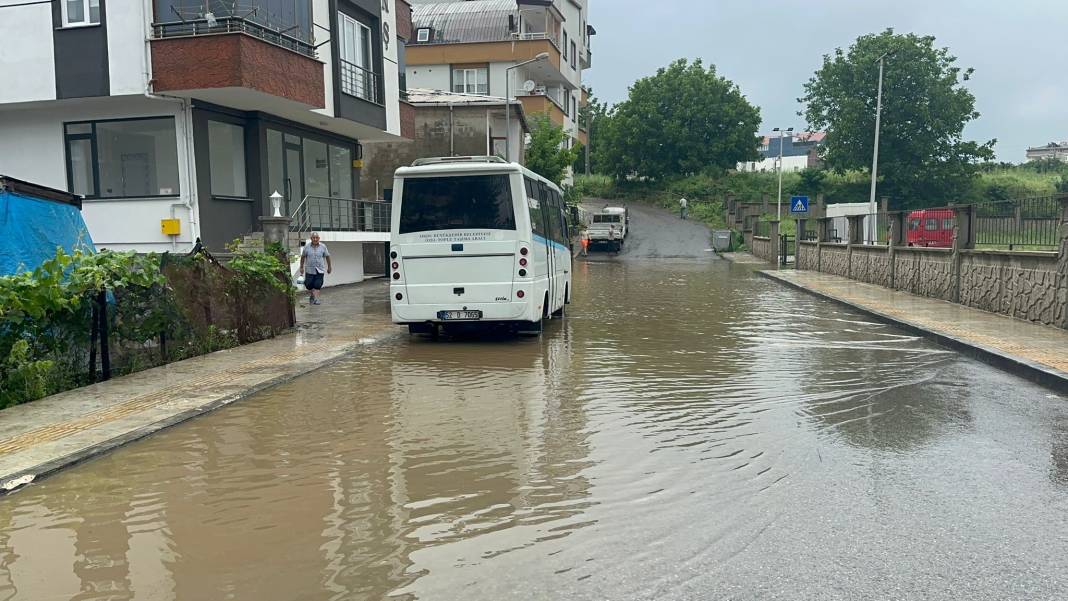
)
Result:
{"points": [[1029, 370], [11, 483]]}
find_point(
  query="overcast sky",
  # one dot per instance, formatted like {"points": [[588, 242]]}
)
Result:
{"points": [[771, 47]]}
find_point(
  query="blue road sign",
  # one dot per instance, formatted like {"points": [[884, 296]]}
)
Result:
{"points": [[799, 204]]}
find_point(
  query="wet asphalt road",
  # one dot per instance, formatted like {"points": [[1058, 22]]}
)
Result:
{"points": [[656, 234], [689, 431]]}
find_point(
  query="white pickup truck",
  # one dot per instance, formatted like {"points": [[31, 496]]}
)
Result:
{"points": [[609, 227]]}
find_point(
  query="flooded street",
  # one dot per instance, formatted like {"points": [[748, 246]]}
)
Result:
{"points": [[689, 431]]}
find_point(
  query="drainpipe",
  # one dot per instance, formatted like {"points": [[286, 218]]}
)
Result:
{"points": [[452, 140], [187, 123]]}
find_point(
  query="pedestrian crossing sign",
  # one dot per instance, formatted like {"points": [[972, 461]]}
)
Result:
{"points": [[799, 204]]}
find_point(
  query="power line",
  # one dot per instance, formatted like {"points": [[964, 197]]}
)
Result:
{"points": [[26, 4]]}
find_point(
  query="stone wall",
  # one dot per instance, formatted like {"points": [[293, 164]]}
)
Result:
{"points": [[763, 248], [807, 256], [870, 264], [1021, 285], [834, 258], [925, 271]]}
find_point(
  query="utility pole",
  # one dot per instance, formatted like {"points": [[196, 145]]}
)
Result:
{"points": [[875, 152], [589, 136], [778, 208], [508, 102]]}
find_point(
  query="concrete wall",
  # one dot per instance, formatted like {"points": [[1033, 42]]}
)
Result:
{"points": [[32, 148]]}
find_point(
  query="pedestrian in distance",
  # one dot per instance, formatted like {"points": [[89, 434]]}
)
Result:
{"points": [[584, 240], [315, 263], [683, 208]]}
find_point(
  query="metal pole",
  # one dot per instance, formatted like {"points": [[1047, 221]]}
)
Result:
{"points": [[589, 137], [779, 204], [875, 152], [508, 115]]}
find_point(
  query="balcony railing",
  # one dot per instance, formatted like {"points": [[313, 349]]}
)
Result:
{"points": [[319, 213], [359, 82], [537, 35], [217, 25]]}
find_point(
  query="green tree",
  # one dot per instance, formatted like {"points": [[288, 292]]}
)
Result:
{"points": [[592, 117], [812, 181], [680, 121], [923, 158], [547, 155]]}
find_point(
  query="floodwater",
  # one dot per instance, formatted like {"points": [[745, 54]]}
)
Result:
{"points": [[689, 431]]}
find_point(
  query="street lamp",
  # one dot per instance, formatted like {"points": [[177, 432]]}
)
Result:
{"points": [[875, 151], [779, 205], [508, 102]]}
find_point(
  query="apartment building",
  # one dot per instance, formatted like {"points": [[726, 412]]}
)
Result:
{"points": [[470, 47], [177, 119]]}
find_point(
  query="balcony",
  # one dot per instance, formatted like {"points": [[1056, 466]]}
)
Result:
{"points": [[359, 82], [236, 62], [541, 104]]}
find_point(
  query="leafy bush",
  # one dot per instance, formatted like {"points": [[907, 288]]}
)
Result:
{"points": [[47, 315]]}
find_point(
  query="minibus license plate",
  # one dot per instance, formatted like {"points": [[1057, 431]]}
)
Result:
{"points": [[459, 315]]}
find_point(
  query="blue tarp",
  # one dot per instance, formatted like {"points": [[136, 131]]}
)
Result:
{"points": [[32, 228]]}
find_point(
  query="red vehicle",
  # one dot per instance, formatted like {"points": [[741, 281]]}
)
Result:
{"points": [[931, 228]]}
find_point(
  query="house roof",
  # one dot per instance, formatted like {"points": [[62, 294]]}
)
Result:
{"points": [[425, 97], [474, 21], [799, 136]]}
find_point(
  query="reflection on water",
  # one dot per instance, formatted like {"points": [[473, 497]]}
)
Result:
{"points": [[688, 429]]}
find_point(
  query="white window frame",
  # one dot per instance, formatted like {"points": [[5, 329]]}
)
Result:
{"points": [[85, 11], [422, 34], [470, 81], [357, 47]]}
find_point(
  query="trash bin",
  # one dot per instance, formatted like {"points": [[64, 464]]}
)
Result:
{"points": [[721, 240]]}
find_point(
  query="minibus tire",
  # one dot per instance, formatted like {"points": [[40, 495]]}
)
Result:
{"points": [[530, 328], [420, 328]]}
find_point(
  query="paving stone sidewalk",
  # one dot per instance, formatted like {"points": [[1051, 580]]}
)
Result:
{"points": [[43, 436], [1036, 352]]}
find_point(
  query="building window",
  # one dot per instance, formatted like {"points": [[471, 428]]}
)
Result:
{"points": [[573, 54], [226, 154], [422, 34], [128, 158], [357, 77], [80, 12], [470, 80], [565, 45], [574, 108]]}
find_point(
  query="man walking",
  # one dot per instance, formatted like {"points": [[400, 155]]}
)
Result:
{"points": [[683, 208], [584, 240], [314, 265]]}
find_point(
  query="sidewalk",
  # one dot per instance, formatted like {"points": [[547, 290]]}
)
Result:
{"points": [[1038, 353], [43, 436]]}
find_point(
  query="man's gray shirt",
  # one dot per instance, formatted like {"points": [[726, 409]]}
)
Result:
{"points": [[315, 258]]}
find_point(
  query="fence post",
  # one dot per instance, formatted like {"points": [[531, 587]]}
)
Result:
{"points": [[1062, 262], [105, 352], [895, 238], [823, 234], [961, 222], [856, 237], [774, 241], [764, 203]]}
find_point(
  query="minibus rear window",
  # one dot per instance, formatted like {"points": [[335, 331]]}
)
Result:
{"points": [[457, 203]]}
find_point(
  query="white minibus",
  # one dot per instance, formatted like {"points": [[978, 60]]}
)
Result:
{"points": [[477, 240]]}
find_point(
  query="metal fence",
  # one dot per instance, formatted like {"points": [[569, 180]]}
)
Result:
{"points": [[1032, 223], [359, 82], [232, 24], [762, 228], [317, 213]]}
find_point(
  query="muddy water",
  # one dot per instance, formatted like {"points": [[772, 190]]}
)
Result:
{"points": [[690, 431]]}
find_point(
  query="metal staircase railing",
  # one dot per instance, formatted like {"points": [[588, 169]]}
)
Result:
{"points": [[326, 214]]}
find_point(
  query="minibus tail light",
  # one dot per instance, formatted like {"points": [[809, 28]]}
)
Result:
{"points": [[522, 263], [523, 251], [396, 265], [520, 294]]}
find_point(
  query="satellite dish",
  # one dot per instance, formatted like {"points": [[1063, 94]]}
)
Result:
{"points": [[529, 85]]}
